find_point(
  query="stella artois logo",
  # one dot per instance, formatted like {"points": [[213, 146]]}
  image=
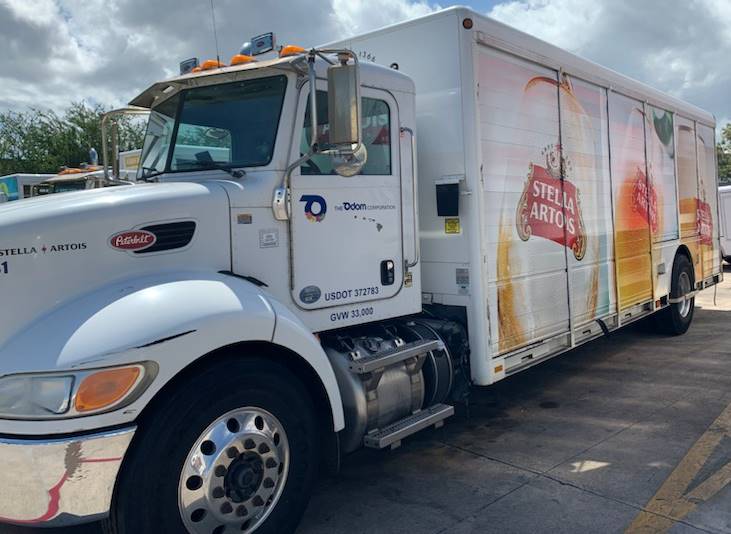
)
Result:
{"points": [[705, 222], [644, 199], [550, 206]]}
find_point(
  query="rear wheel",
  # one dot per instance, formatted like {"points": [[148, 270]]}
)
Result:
{"points": [[234, 449], [676, 318]]}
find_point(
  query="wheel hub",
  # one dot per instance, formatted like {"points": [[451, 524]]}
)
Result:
{"points": [[684, 287], [244, 477], [234, 473]]}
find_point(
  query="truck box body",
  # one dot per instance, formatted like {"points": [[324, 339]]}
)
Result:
{"points": [[19, 186], [571, 201]]}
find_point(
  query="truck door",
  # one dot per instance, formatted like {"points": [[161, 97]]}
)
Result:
{"points": [[347, 232]]}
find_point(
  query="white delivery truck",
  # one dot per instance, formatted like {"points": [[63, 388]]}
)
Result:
{"points": [[284, 293]]}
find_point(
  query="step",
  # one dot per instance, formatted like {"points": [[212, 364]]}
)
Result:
{"points": [[378, 360], [392, 435]]}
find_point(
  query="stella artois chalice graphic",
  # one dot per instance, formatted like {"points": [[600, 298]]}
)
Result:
{"points": [[550, 206], [561, 171]]}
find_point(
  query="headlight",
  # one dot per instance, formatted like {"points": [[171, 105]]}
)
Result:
{"points": [[73, 394], [35, 396]]}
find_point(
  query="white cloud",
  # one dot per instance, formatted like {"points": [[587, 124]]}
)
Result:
{"points": [[57, 51], [559, 22], [351, 17], [106, 51], [681, 48]]}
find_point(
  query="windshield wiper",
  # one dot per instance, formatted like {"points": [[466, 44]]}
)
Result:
{"points": [[212, 165], [146, 177]]}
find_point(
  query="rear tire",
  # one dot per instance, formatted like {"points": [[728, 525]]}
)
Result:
{"points": [[676, 318], [154, 487]]}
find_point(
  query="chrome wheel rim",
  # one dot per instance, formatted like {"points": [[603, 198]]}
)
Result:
{"points": [[684, 287], [234, 474]]}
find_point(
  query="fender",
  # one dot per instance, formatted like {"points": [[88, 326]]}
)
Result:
{"points": [[171, 319], [290, 332]]}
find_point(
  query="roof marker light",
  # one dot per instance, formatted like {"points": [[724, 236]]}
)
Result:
{"points": [[291, 50], [209, 64], [242, 59]]}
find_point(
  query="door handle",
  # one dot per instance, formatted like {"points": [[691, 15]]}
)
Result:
{"points": [[417, 244]]}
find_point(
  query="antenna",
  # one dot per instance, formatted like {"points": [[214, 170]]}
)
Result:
{"points": [[215, 34]]}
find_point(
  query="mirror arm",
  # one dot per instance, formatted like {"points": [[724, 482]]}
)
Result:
{"points": [[280, 202], [312, 76], [130, 110], [105, 157]]}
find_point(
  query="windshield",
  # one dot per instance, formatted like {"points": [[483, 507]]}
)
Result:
{"points": [[69, 186], [218, 126]]}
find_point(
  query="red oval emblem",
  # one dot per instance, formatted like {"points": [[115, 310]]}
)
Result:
{"points": [[133, 240]]}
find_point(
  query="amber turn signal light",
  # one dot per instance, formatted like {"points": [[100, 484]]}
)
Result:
{"points": [[209, 64], [242, 59], [291, 50], [105, 388]]}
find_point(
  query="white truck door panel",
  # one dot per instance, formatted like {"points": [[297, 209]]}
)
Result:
{"points": [[347, 244]]}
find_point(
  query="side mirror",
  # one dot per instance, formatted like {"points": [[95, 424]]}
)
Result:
{"points": [[343, 104], [349, 163], [344, 117]]}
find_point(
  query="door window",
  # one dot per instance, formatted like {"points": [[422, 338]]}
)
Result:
{"points": [[376, 137]]}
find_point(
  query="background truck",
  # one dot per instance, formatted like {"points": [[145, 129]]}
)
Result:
{"points": [[19, 186], [91, 177], [283, 293]]}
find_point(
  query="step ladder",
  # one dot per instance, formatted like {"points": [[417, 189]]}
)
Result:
{"points": [[391, 435]]}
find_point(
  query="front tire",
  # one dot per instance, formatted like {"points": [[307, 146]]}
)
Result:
{"points": [[676, 318], [233, 449]]}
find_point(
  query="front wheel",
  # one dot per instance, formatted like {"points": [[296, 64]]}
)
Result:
{"points": [[676, 318], [234, 449]]}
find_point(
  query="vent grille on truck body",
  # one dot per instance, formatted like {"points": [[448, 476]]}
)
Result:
{"points": [[170, 236]]}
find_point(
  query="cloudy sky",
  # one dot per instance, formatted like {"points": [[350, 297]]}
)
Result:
{"points": [[58, 51]]}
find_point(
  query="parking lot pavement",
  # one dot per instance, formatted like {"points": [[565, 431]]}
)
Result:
{"points": [[629, 433]]}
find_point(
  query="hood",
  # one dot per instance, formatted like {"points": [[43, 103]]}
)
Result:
{"points": [[57, 248]]}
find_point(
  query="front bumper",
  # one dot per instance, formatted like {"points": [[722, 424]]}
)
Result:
{"points": [[60, 482]]}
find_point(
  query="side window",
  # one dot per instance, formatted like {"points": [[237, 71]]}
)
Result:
{"points": [[376, 137]]}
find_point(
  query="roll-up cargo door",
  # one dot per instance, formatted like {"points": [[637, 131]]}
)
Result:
{"points": [[708, 201], [585, 148], [528, 233], [633, 208]]}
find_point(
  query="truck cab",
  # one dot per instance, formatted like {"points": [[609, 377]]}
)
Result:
{"points": [[235, 320], [255, 118]]}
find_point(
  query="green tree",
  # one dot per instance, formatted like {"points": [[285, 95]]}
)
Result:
{"points": [[42, 141], [723, 150]]}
